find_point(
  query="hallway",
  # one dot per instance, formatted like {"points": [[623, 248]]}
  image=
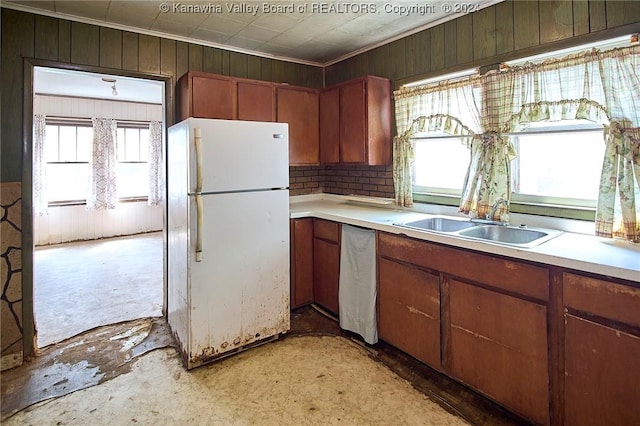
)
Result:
{"points": [[82, 285]]}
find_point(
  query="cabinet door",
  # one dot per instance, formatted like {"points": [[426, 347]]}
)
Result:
{"points": [[409, 310], [498, 345], [353, 122], [602, 375], [212, 97], [330, 126], [256, 101], [301, 262], [326, 274], [300, 108]]}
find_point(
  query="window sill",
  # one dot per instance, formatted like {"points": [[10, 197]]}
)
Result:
{"points": [[84, 203], [548, 210]]}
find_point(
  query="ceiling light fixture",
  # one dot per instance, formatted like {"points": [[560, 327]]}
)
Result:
{"points": [[114, 91]]}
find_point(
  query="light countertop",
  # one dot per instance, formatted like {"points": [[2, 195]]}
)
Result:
{"points": [[582, 252]]}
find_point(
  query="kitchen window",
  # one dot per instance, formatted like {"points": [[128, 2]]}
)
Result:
{"points": [[67, 152], [567, 180]]}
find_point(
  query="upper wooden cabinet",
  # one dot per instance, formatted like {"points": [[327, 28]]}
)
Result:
{"points": [[256, 100], [204, 95], [355, 122], [299, 107]]}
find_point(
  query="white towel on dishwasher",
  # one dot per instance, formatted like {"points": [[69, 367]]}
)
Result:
{"points": [[357, 291]]}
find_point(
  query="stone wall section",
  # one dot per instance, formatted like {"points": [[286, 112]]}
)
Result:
{"points": [[11, 274]]}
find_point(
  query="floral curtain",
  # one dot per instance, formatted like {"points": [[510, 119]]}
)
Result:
{"points": [[603, 87], [452, 108], [155, 163], [102, 166], [618, 211], [40, 202]]}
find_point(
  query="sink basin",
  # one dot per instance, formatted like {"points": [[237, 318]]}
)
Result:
{"points": [[522, 237], [440, 224]]}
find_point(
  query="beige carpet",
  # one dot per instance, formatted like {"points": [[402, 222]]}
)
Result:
{"points": [[310, 380], [82, 285]]}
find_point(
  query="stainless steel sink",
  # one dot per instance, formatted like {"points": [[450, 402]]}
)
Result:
{"points": [[486, 231], [510, 235], [439, 224]]}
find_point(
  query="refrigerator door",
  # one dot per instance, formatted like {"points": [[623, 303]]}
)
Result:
{"points": [[239, 291], [237, 155]]}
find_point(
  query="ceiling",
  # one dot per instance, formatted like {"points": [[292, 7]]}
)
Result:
{"points": [[311, 32], [53, 81]]}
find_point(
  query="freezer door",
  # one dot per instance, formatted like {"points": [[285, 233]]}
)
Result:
{"points": [[238, 155], [239, 291]]}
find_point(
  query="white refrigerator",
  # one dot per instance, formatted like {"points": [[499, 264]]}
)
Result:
{"points": [[228, 236]]}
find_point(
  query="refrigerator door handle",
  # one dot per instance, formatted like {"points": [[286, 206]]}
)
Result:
{"points": [[199, 223], [197, 135]]}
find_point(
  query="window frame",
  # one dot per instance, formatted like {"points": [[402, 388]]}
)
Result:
{"points": [[569, 208], [80, 122]]}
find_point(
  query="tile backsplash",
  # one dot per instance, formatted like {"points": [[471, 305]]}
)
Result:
{"points": [[374, 181]]}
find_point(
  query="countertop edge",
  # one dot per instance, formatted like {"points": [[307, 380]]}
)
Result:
{"points": [[549, 253]]}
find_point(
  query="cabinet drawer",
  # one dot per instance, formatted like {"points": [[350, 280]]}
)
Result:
{"points": [[521, 278], [326, 230], [606, 299]]}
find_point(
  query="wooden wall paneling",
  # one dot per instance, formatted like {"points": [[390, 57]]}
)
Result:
{"points": [[238, 64], [182, 58], [85, 44], [464, 39], [110, 48], [46, 38], [556, 20], [451, 43], [597, 16], [397, 52], [195, 57], [484, 33], [254, 67], [64, 40], [526, 30], [382, 63], [580, 17], [277, 72], [437, 47], [130, 51], [149, 48], [18, 30], [622, 12], [168, 57], [265, 69], [504, 27], [224, 62], [212, 60], [422, 60]]}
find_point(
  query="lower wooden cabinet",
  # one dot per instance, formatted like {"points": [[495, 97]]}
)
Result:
{"points": [[601, 351], [498, 346], [326, 264], [301, 262], [602, 375], [409, 310]]}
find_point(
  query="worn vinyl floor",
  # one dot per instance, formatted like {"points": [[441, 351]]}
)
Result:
{"points": [[82, 285], [129, 373]]}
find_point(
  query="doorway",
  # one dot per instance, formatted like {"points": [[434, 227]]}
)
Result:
{"points": [[96, 266]]}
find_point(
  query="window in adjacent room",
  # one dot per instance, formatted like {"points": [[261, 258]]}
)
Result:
{"points": [[132, 170]]}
